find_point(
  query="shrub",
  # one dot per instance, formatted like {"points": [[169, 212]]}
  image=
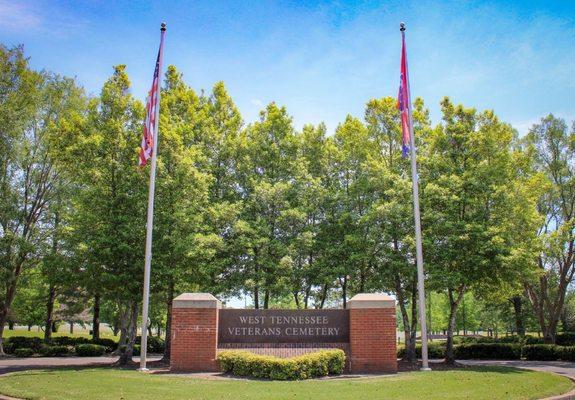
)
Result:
{"points": [[510, 339], [17, 342], [495, 351], [565, 339], [541, 352], [567, 353], [320, 363], [533, 340], [137, 349], [109, 344], [155, 344], [68, 341], [435, 350], [54, 351], [89, 350], [23, 352]]}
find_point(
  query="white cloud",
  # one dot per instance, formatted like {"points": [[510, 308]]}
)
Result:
{"points": [[523, 126], [16, 16], [257, 102]]}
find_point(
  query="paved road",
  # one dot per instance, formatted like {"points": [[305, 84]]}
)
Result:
{"points": [[19, 364], [559, 367]]}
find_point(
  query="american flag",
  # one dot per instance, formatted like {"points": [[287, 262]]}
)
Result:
{"points": [[147, 146], [403, 100]]}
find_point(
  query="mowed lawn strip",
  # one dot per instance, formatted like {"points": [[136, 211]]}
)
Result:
{"points": [[82, 333], [473, 383]]}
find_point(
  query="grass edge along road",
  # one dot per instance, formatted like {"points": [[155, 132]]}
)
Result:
{"points": [[40, 334], [100, 383]]}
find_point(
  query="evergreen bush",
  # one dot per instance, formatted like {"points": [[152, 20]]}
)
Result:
{"points": [[542, 352], [312, 365], [23, 352], [54, 351], [89, 350], [488, 351]]}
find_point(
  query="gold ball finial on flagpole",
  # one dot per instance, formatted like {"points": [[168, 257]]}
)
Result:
{"points": [[163, 26], [402, 26]]}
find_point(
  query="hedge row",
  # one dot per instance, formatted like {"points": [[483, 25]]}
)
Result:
{"points": [[64, 345], [499, 351], [155, 344], [549, 352], [562, 339], [435, 350], [90, 350], [486, 351], [81, 350], [312, 365], [36, 344]]}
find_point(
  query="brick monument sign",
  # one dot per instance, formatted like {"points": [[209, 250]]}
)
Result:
{"points": [[365, 331]]}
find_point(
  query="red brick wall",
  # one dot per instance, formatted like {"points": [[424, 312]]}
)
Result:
{"points": [[194, 339], [372, 346], [373, 340]]}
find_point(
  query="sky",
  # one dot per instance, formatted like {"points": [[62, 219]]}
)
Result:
{"points": [[322, 60]]}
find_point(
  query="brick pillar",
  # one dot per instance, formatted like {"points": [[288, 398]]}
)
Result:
{"points": [[372, 334], [194, 332]]}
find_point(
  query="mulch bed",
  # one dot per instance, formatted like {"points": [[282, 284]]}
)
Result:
{"points": [[404, 366]]}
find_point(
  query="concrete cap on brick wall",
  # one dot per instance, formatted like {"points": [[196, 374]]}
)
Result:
{"points": [[371, 300], [196, 300]]}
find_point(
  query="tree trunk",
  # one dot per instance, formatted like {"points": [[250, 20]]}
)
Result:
{"points": [[257, 277], [7, 302], [306, 297], [169, 301], [453, 305], [519, 319], [2, 325], [49, 313], [71, 327], [409, 333], [11, 325], [266, 299], [256, 297], [344, 292], [296, 299], [323, 295], [96, 318], [129, 332]]}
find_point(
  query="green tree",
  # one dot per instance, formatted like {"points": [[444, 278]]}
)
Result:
{"points": [[27, 308], [267, 154], [390, 219], [471, 203], [181, 194], [303, 222], [108, 223], [32, 107], [348, 253], [554, 151]]}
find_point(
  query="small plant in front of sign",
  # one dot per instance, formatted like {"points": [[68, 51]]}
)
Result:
{"points": [[312, 365]]}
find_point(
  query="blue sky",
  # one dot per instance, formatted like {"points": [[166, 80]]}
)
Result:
{"points": [[322, 60]]}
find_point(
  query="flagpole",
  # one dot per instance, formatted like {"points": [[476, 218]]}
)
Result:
{"points": [[417, 218], [150, 221]]}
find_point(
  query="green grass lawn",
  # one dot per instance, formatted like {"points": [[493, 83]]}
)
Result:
{"points": [[475, 383]]}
